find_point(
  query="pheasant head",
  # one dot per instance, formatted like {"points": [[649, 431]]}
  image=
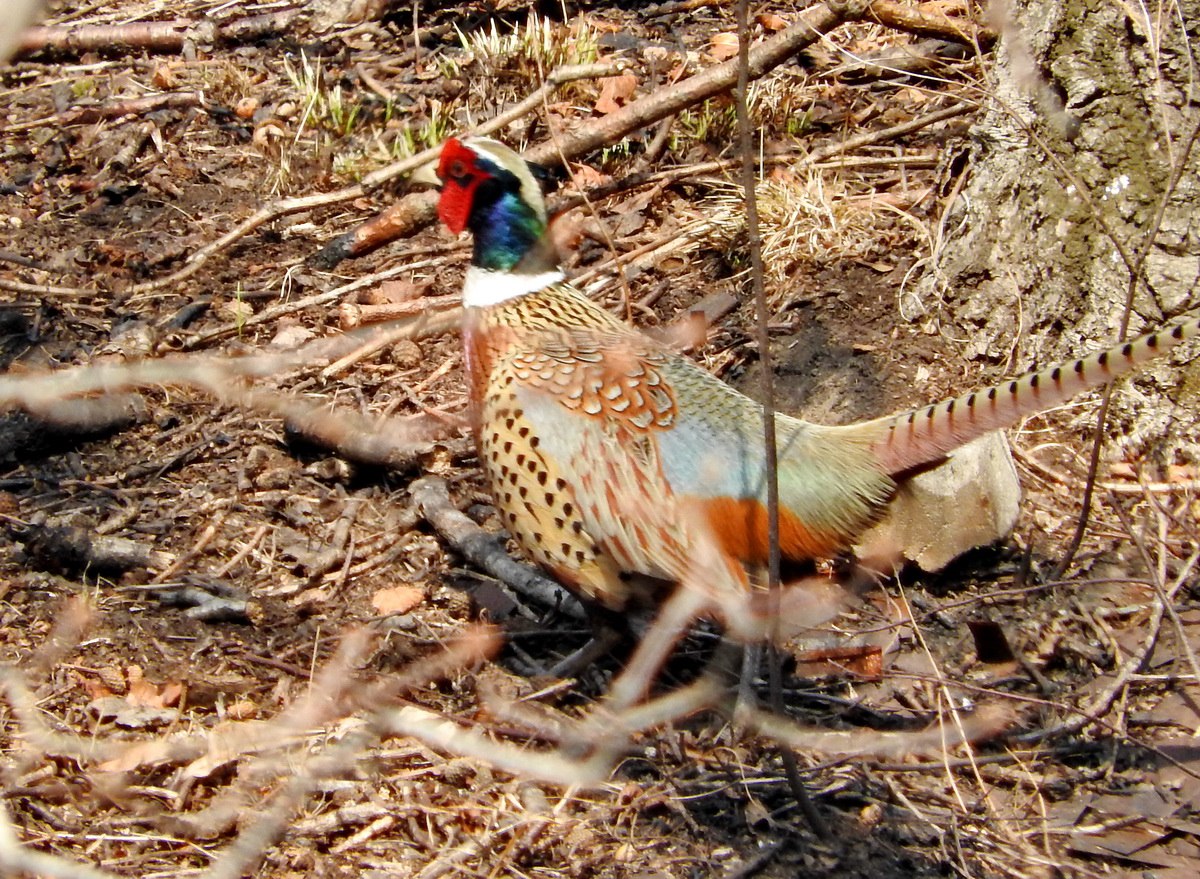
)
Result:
{"points": [[490, 190]]}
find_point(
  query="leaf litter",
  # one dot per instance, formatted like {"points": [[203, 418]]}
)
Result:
{"points": [[144, 727]]}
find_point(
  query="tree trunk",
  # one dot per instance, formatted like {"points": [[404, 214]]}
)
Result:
{"points": [[1087, 136]]}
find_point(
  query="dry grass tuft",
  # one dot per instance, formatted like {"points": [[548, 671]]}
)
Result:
{"points": [[811, 219]]}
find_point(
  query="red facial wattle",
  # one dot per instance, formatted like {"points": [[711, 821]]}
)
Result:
{"points": [[460, 178], [454, 207]]}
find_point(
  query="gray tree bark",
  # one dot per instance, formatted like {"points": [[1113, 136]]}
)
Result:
{"points": [[1088, 137]]}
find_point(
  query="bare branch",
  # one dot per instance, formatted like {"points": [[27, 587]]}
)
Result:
{"points": [[486, 551], [925, 20], [149, 36]]}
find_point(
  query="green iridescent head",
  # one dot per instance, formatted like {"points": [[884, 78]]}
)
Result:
{"points": [[489, 189]]}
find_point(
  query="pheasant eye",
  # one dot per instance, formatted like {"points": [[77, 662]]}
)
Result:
{"points": [[458, 169]]}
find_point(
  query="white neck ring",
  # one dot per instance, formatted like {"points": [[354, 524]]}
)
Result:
{"points": [[485, 287]]}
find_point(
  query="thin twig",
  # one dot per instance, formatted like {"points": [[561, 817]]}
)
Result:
{"points": [[820, 157], [926, 20], [1157, 576], [285, 308], [417, 209], [767, 389], [1135, 275], [16, 859], [1104, 701], [130, 107]]}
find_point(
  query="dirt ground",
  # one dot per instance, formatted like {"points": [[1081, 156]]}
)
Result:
{"points": [[212, 621]]}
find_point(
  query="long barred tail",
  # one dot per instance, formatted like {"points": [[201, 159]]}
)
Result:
{"points": [[924, 435]]}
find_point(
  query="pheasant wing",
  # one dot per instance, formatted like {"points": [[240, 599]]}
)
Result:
{"points": [[598, 403]]}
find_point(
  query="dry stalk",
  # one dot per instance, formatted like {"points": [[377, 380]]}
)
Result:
{"points": [[445, 735], [987, 722], [326, 297], [388, 441], [388, 337], [417, 209], [1156, 564], [114, 110], [928, 20]]}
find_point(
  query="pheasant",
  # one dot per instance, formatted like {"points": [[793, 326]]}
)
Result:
{"points": [[617, 463]]}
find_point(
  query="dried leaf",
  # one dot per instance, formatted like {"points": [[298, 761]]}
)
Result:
{"points": [[614, 92], [757, 815], [566, 229], [628, 223], [860, 660], [1181, 472], [120, 712], [243, 709], [723, 46], [1122, 470], [152, 753], [783, 174], [291, 336], [1180, 708], [235, 310], [393, 291], [143, 693], [397, 599], [587, 177], [95, 689], [164, 77]]}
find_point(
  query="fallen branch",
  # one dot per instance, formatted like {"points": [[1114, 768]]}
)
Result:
{"points": [[49, 290], [17, 859], [392, 441], [351, 315], [89, 114], [205, 599], [871, 138], [417, 209], [398, 443], [665, 10], [985, 723], [150, 36], [926, 57], [38, 392], [486, 551], [69, 420], [814, 23], [443, 734], [325, 297], [1103, 702], [73, 549], [927, 21]]}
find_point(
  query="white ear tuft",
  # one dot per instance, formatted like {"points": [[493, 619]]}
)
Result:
{"points": [[511, 161]]}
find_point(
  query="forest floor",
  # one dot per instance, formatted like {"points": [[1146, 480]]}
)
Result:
{"points": [[215, 624]]}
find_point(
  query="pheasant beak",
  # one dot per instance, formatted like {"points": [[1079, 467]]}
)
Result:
{"points": [[426, 175]]}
